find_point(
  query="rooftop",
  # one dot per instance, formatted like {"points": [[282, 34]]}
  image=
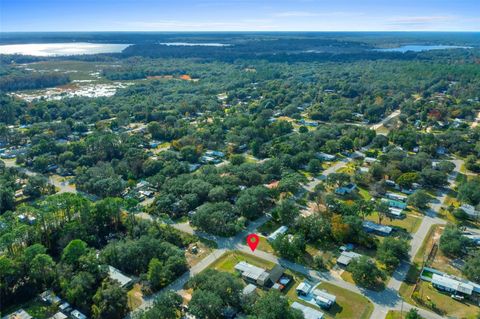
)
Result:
{"points": [[308, 313]]}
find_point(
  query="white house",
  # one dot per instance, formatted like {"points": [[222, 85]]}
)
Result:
{"points": [[280, 231], [308, 313]]}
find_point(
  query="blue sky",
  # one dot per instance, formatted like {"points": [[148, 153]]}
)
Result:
{"points": [[239, 15]]}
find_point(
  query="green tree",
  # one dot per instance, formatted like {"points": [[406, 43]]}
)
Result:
{"points": [[452, 242], [42, 269], [420, 199], [472, 267], [391, 251], [365, 273], [413, 314], [158, 275], [273, 305], [73, 251], [110, 301], [165, 306]]}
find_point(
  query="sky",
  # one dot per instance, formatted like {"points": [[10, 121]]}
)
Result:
{"points": [[239, 15]]}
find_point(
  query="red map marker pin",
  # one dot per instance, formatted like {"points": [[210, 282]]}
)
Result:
{"points": [[252, 241]]}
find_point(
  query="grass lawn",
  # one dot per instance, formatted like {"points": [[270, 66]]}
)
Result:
{"points": [[446, 304], [395, 314], [364, 193], [135, 297], [410, 223], [228, 261], [269, 227], [349, 304]]}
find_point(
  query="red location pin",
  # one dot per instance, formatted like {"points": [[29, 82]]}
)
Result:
{"points": [[252, 241]]}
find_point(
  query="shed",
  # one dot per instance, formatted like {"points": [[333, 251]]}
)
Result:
{"points": [[303, 289]]}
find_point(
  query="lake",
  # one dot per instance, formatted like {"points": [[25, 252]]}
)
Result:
{"points": [[420, 48], [193, 44], [61, 49]]}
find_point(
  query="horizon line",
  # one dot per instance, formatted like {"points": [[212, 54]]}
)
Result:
{"points": [[246, 31]]}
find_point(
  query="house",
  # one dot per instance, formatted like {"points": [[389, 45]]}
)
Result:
{"points": [[280, 231], [308, 313], [259, 276], [394, 203], [249, 289], [303, 289], [325, 156], [370, 160], [396, 212], [115, 274], [347, 189], [252, 274], [49, 297], [59, 315], [346, 257], [324, 299], [470, 211], [397, 197], [215, 153], [19, 314], [78, 315], [371, 227], [451, 284]]}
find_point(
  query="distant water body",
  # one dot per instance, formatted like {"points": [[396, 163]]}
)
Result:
{"points": [[190, 44], [61, 49], [420, 48]]}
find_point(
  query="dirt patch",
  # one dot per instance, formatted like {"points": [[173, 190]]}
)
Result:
{"points": [[196, 252]]}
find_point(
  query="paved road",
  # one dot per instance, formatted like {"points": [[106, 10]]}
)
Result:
{"points": [[428, 221], [385, 120]]}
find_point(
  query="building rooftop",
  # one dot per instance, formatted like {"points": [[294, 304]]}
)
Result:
{"points": [[115, 274], [250, 271], [308, 313], [280, 231], [452, 283], [376, 227]]}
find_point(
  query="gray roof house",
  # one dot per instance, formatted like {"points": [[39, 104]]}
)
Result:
{"points": [[324, 299], [308, 313], [115, 274], [346, 257], [451, 284], [303, 289], [371, 227], [280, 231]]}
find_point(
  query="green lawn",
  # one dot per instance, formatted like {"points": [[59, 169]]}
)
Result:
{"points": [[410, 223], [228, 261], [349, 304], [395, 314], [445, 304]]}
